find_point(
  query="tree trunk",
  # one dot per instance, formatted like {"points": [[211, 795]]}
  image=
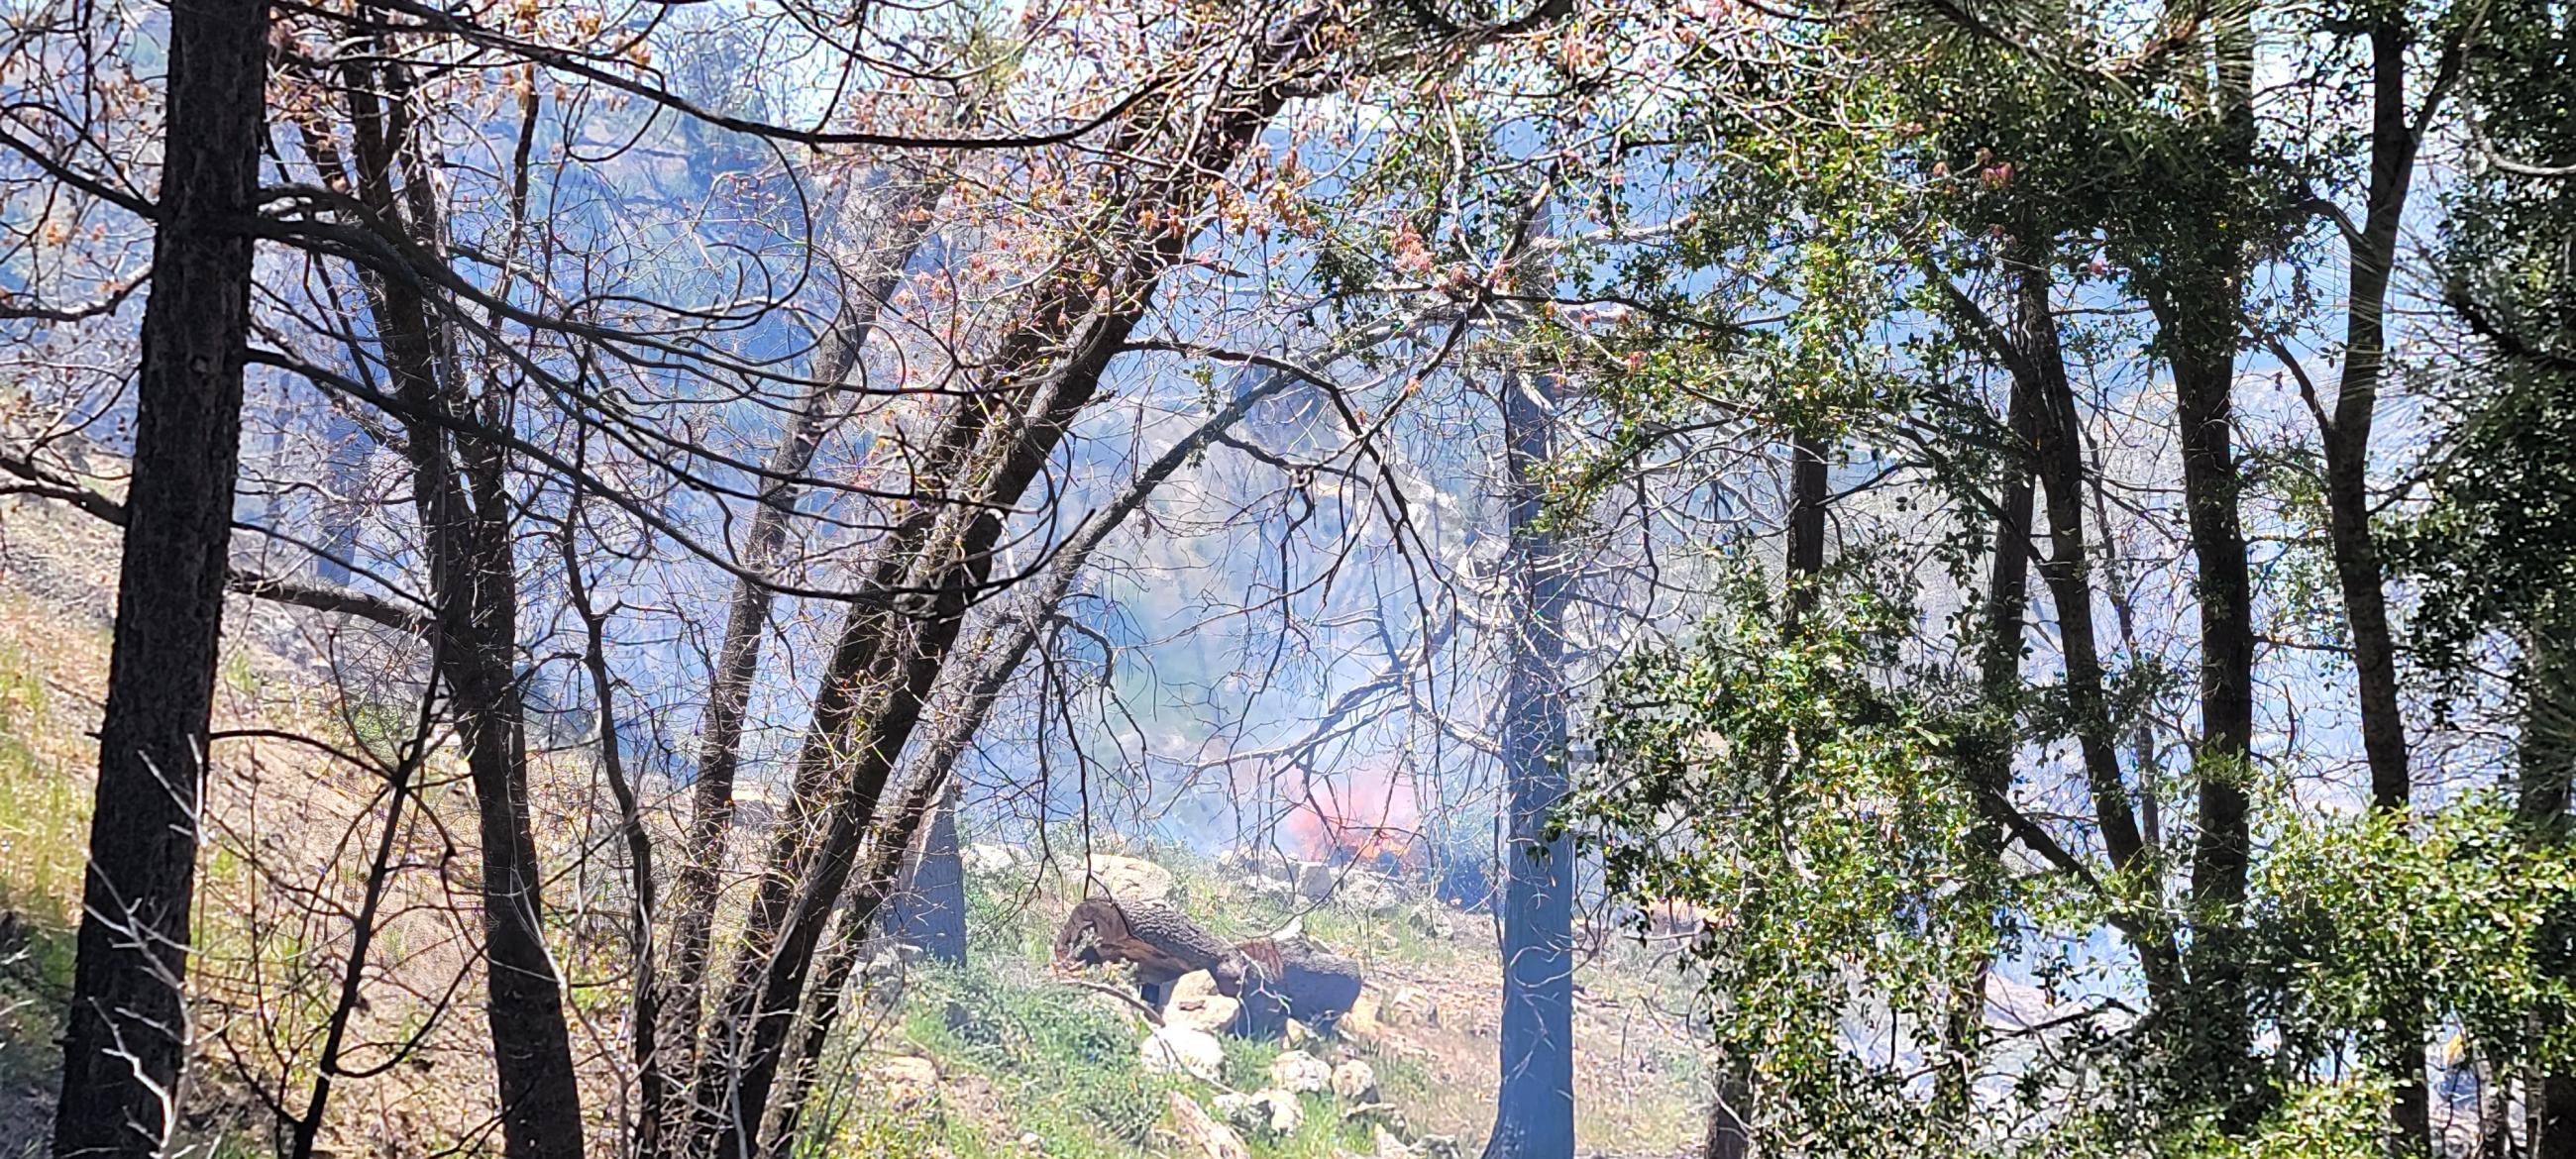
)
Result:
{"points": [[2546, 775], [460, 487], [895, 233], [126, 1042], [1989, 766], [2058, 452], [2373, 255], [933, 765], [930, 900], [1534, 1110]]}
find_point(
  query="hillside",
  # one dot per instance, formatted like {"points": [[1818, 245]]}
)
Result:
{"points": [[1001, 1057]]}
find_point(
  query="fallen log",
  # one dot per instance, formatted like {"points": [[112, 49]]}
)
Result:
{"points": [[1276, 980], [1160, 941]]}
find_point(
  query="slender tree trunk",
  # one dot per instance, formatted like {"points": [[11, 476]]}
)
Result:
{"points": [[1999, 682], [2356, 557], [2545, 777], [894, 233], [897, 636], [126, 1044], [930, 893], [460, 489], [2068, 572], [1534, 1110], [2196, 292]]}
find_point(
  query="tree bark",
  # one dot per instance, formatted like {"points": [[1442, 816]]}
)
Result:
{"points": [[1989, 767], [2545, 776], [127, 1040], [2373, 255], [1534, 1110], [930, 898]]}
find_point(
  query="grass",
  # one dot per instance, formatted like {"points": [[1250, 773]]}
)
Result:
{"points": [[44, 828]]}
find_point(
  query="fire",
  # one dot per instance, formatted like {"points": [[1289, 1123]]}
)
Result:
{"points": [[1367, 814]]}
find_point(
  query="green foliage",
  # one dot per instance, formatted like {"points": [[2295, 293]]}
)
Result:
{"points": [[1799, 786], [2455, 915]]}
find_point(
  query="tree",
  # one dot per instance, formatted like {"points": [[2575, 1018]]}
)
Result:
{"points": [[126, 1047], [1534, 1109]]}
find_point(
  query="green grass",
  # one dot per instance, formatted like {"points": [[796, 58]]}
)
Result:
{"points": [[44, 823]]}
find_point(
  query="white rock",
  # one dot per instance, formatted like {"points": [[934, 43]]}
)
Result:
{"points": [[1408, 1006], [1272, 1111], [1388, 1146], [1298, 1072], [1196, 1004], [1183, 1050], [993, 857], [1202, 1135], [1355, 1082], [1129, 878], [905, 1080]]}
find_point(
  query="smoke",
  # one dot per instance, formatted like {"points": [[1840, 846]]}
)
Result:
{"points": [[1372, 812]]}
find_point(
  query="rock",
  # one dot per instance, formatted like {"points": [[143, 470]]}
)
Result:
{"points": [[1367, 889], [1129, 879], [1355, 1082], [1271, 1112], [1440, 1147], [1361, 1021], [1408, 1006], [993, 857], [1298, 1072], [1387, 1146], [1183, 1050], [1296, 1033], [1202, 1135], [905, 1081], [1196, 1004]]}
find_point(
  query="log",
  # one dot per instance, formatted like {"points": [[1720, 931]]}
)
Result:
{"points": [[1280, 980], [1160, 941]]}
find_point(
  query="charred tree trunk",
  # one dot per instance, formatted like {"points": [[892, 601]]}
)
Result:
{"points": [[460, 489], [127, 1039], [894, 229], [1534, 1110]]}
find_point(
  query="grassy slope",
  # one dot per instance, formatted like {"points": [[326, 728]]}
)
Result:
{"points": [[1028, 1062]]}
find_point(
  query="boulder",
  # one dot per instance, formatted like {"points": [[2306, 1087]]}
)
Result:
{"points": [[1196, 1004], [1183, 1050], [1355, 1082], [1200, 1134], [905, 1081], [1298, 1072], [1128, 879], [993, 857], [1271, 1112]]}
